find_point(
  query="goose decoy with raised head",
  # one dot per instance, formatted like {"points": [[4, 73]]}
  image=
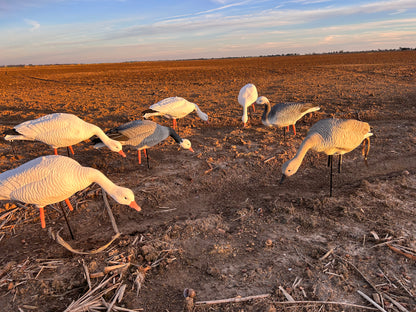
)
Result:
{"points": [[60, 130], [284, 114], [51, 179], [332, 137], [143, 134], [247, 97], [174, 108]]}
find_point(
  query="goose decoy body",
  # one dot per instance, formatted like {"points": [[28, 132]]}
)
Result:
{"points": [[174, 108], [143, 134], [283, 115], [60, 130], [332, 137], [247, 97], [51, 179]]}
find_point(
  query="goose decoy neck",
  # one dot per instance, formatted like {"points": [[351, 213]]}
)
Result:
{"points": [[175, 135], [291, 166], [267, 109]]}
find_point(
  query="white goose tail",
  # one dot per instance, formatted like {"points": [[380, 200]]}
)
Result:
{"points": [[12, 137], [99, 145], [150, 112]]}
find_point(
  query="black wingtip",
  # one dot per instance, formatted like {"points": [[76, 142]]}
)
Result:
{"points": [[11, 131], [148, 111], [96, 140]]}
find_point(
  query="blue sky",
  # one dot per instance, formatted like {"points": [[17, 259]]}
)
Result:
{"points": [[94, 31]]}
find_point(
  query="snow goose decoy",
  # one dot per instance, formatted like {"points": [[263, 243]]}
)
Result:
{"points": [[247, 97], [174, 108], [143, 134], [51, 179], [332, 137], [284, 114], [60, 130]]}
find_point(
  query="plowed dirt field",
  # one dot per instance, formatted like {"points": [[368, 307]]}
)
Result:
{"points": [[217, 220]]}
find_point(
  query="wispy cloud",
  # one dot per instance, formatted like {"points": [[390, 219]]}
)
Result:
{"points": [[225, 6], [214, 23], [231, 28], [35, 25], [309, 1]]}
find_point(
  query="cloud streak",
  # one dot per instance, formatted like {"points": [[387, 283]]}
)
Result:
{"points": [[219, 23], [35, 25], [229, 29]]}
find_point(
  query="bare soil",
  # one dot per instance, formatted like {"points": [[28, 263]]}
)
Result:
{"points": [[217, 220]]}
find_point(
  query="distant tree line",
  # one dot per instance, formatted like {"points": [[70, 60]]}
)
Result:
{"points": [[235, 57], [344, 52]]}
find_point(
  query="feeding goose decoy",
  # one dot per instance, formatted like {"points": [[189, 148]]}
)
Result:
{"points": [[51, 179], [143, 134], [283, 115], [60, 130], [247, 97], [332, 137], [174, 108]]}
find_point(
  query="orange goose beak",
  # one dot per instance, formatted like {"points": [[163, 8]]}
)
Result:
{"points": [[134, 205]]}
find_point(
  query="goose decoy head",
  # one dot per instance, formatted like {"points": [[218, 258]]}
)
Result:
{"points": [[125, 196], [186, 144], [202, 115], [262, 100], [116, 146], [289, 168]]}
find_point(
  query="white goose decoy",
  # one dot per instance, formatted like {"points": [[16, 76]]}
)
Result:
{"points": [[246, 97], [332, 137], [60, 130], [51, 179], [143, 134], [174, 108], [284, 114]]}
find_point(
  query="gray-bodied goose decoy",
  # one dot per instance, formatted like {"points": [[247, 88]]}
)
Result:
{"points": [[332, 137], [283, 115], [143, 134]]}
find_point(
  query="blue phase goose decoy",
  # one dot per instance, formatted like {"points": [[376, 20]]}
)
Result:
{"points": [[143, 134], [174, 108], [284, 114], [60, 130], [51, 179], [332, 137], [247, 97]]}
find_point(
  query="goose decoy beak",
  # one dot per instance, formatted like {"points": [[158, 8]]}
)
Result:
{"points": [[134, 205], [282, 179], [122, 153], [192, 150]]}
